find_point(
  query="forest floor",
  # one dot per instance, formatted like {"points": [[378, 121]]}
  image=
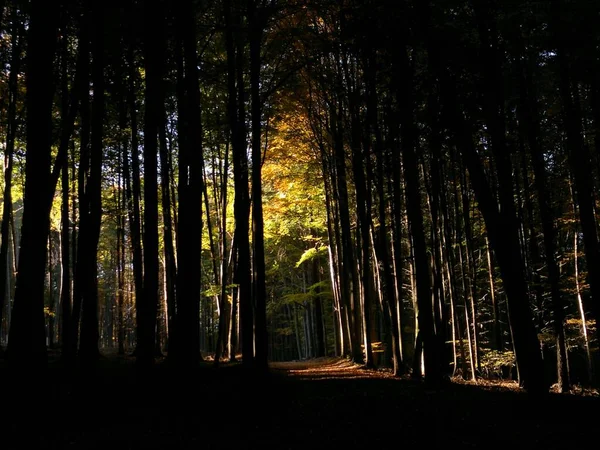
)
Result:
{"points": [[327, 403]]}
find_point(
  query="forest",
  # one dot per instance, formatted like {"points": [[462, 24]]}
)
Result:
{"points": [[411, 185]]}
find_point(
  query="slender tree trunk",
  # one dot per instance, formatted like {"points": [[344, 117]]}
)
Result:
{"points": [[470, 270], [233, 134], [363, 206], [7, 203], [132, 177], [169, 251], [89, 308], [121, 196], [395, 186], [256, 23], [66, 300], [241, 207], [466, 282], [334, 257], [319, 334], [345, 247], [224, 265], [426, 333], [153, 62], [584, 331], [50, 306]]}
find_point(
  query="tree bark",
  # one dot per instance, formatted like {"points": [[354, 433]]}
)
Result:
{"points": [[256, 22], [89, 309], [26, 345], [153, 46], [7, 204]]}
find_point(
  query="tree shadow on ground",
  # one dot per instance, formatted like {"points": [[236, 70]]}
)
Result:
{"points": [[329, 403]]}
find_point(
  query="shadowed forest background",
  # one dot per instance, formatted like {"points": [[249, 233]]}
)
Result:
{"points": [[412, 185]]}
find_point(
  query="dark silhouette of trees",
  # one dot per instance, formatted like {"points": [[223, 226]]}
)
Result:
{"points": [[410, 186]]}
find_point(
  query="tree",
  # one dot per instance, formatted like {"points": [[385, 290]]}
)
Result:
{"points": [[189, 237], [7, 207], [27, 337], [153, 60]]}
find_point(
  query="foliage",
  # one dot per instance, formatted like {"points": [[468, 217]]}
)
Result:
{"points": [[312, 254], [497, 363]]}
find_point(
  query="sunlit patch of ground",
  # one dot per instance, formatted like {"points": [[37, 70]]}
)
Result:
{"points": [[490, 385], [339, 368], [328, 368], [511, 385], [579, 390]]}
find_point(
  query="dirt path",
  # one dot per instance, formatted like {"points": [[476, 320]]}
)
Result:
{"points": [[327, 368]]}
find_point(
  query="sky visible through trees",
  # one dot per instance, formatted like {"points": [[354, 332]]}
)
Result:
{"points": [[409, 185]]}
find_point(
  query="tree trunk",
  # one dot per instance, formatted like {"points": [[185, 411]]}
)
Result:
{"points": [[7, 203], [132, 177], [169, 251], [26, 345], [347, 271], [256, 22], [153, 64], [427, 335], [89, 307], [241, 207]]}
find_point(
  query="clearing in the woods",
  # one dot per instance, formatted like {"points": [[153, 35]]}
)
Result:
{"points": [[326, 403]]}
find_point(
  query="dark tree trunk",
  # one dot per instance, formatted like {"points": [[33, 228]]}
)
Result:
{"points": [[121, 264], [241, 207], [66, 328], [154, 17], [362, 303], [91, 218], [66, 307], [471, 281], [319, 333], [256, 23], [169, 251], [132, 177], [26, 345], [347, 271], [81, 238], [89, 308], [395, 184], [123, 197], [427, 335], [232, 123], [189, 231]]}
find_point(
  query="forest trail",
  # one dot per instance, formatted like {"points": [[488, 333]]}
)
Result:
{"points": [[326, 403], [326, 368]]}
